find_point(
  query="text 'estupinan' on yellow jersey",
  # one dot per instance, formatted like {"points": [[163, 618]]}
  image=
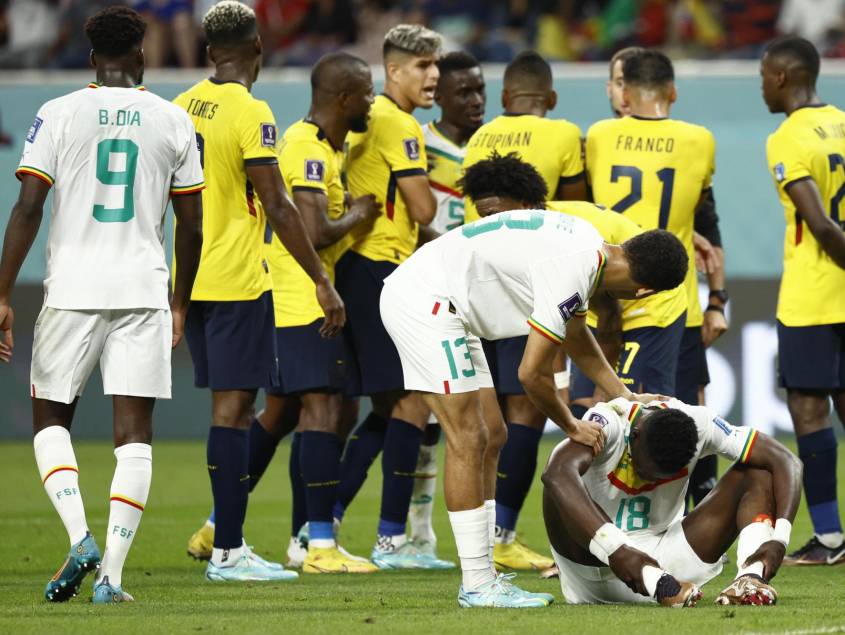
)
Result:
{"points": [[308, 163], [653, 171], [810, 144], [660, 309], [552, 146], [392, 148], [234, 129]]}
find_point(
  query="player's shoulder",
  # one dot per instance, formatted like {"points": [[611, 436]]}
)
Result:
{"points": [[166, 108], [563, 128], [66, 104], [604, 126], [386, 115], [691, 131], [304, 136]]}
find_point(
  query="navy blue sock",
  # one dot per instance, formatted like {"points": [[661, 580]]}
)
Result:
{"points": [[431, 434], [362, 448], [319, 454], [298, 511], [517, 464], [818, 453], [399, 464], [228, 466], [262, 447]]}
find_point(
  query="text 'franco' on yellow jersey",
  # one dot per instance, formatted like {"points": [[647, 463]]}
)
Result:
{"points": [[392, 148], [653, 171], [552, 146], [810, 144], [660, 309], [308, 163], [234, 129]]}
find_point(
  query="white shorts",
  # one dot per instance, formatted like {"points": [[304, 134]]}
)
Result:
{"points": [[438, 354], [581, 584], [131, 345]]}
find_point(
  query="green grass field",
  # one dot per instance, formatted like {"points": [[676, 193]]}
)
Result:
{"points": [[173, 596]]}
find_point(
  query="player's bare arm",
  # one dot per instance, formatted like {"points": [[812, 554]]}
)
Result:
{"points": [[287, 224], [23, 226], [715, 323], [415, 191], [575, 190], [609, 326], [187, 245], [808, 202], [324, 231]]}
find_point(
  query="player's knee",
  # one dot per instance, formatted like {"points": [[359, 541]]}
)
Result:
{"points": [[412, 408], [497, 436], [810, 410], [468, 439]]}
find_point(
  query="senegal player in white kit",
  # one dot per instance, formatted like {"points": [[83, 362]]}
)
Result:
{"points": [[115, 154]]}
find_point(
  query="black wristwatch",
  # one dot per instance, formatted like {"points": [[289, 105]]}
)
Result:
{"points": [[720, 294]]}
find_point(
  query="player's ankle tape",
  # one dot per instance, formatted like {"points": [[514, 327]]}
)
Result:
{"points": [[667, 587]]}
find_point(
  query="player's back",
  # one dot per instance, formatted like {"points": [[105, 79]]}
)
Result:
{"points": [[653, 171], [234, 130], [445, 161], [552, 146], [112, 154], [810, 143]]}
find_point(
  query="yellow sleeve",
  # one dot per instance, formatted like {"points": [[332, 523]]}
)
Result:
{"points": [[711, 160], [623, 227], [304, 166], [572, 166], [786, 160], [400, 141], [590, 151], [258, 134]]}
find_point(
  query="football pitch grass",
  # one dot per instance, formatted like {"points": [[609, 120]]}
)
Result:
{"points": [[173, 596]]}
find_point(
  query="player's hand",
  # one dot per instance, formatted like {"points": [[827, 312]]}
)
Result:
{"points": [[715, 323], [587, 433], [627, 563], [647, 397], [366, 207], [179, 314], [7, 342], [332, 307], [706, 259], [771, 555]]}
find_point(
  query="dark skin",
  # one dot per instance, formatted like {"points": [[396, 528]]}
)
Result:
{"points": [[768, 483], [132, 415], [786, 87], [242, 63]]}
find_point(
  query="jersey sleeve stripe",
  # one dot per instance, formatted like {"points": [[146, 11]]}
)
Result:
{"points": [[542, 330], [749, 445], [25, 169], [599, 271], [308, 188], [566, 180], [261, 161], [409, 172], [789, 184], [187, 189]]}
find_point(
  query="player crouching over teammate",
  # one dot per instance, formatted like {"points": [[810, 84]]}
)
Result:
{"points": [[623, 507]]}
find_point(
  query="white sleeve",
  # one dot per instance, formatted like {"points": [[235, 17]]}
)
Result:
{"points": [[611, 425], [188, 176], [720, 437], [561, 291], [39, 156]]}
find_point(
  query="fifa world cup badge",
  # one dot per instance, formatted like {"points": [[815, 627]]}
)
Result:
{"points": [[780, 172]]}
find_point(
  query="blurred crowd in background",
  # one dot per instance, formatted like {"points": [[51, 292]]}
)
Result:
{"points": [[48, 33]]}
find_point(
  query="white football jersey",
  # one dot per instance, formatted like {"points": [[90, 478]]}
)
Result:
{"points": [[635, 505], [114, 157], [445, 160], [511, 270]]}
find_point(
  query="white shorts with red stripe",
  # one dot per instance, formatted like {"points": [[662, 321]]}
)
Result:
{"points": [[438, 353]]}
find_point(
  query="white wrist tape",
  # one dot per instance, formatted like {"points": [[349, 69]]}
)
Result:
{"points": [[782, 531], [562, 380], [607, 539]]}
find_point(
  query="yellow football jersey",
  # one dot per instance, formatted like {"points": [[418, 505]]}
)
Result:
{"points": [[392, 148], [810, 144], [660, 309], [234, 129], [308, 163], [653, 171], [552, 146]]}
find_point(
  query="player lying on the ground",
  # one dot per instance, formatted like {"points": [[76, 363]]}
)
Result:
{"points": [[623, 507]]}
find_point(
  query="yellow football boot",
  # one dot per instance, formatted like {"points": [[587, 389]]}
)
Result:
{"points": [[202, 542], [517, 556], [332, 560]]}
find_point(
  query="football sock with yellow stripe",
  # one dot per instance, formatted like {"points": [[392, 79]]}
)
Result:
{"points": [[399, 465], [319, 458], [60, 476], [515, 473], [298, 508], [362, 448], [228, 468], [129, 490], [817, 451]]}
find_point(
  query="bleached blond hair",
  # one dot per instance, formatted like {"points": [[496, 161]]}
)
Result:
{"points": [[229, 22], [414, 39]]}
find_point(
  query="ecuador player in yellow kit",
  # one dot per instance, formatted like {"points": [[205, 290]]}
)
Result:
{"points": [[389, 161], [229, 328], [806, 157]]}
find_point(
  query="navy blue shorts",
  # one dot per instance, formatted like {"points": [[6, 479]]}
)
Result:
{"points": [[692, 366], [503, 358], [309, 362], [233, 344], [811, 357], [648, 361], [163, 10], [373, 361]]}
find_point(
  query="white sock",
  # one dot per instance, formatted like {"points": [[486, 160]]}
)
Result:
{"points": [[504, 536], [226, 557], [422, 500], [472, 530], [389, 544], [60, 476], [129, 490], [490, 508], [832, 540], [750, 538]]}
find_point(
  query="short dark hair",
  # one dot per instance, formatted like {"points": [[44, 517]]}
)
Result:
{"points": [[798, 50], [229, 24], [115, 31], [333, 71], [623, 54], [670, 438], [649, 69], [456, 61], [506, 177], [529, 69], [658, 260]]}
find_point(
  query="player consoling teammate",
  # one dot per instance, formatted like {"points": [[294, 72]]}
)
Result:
{"points": [[468, 319]]}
